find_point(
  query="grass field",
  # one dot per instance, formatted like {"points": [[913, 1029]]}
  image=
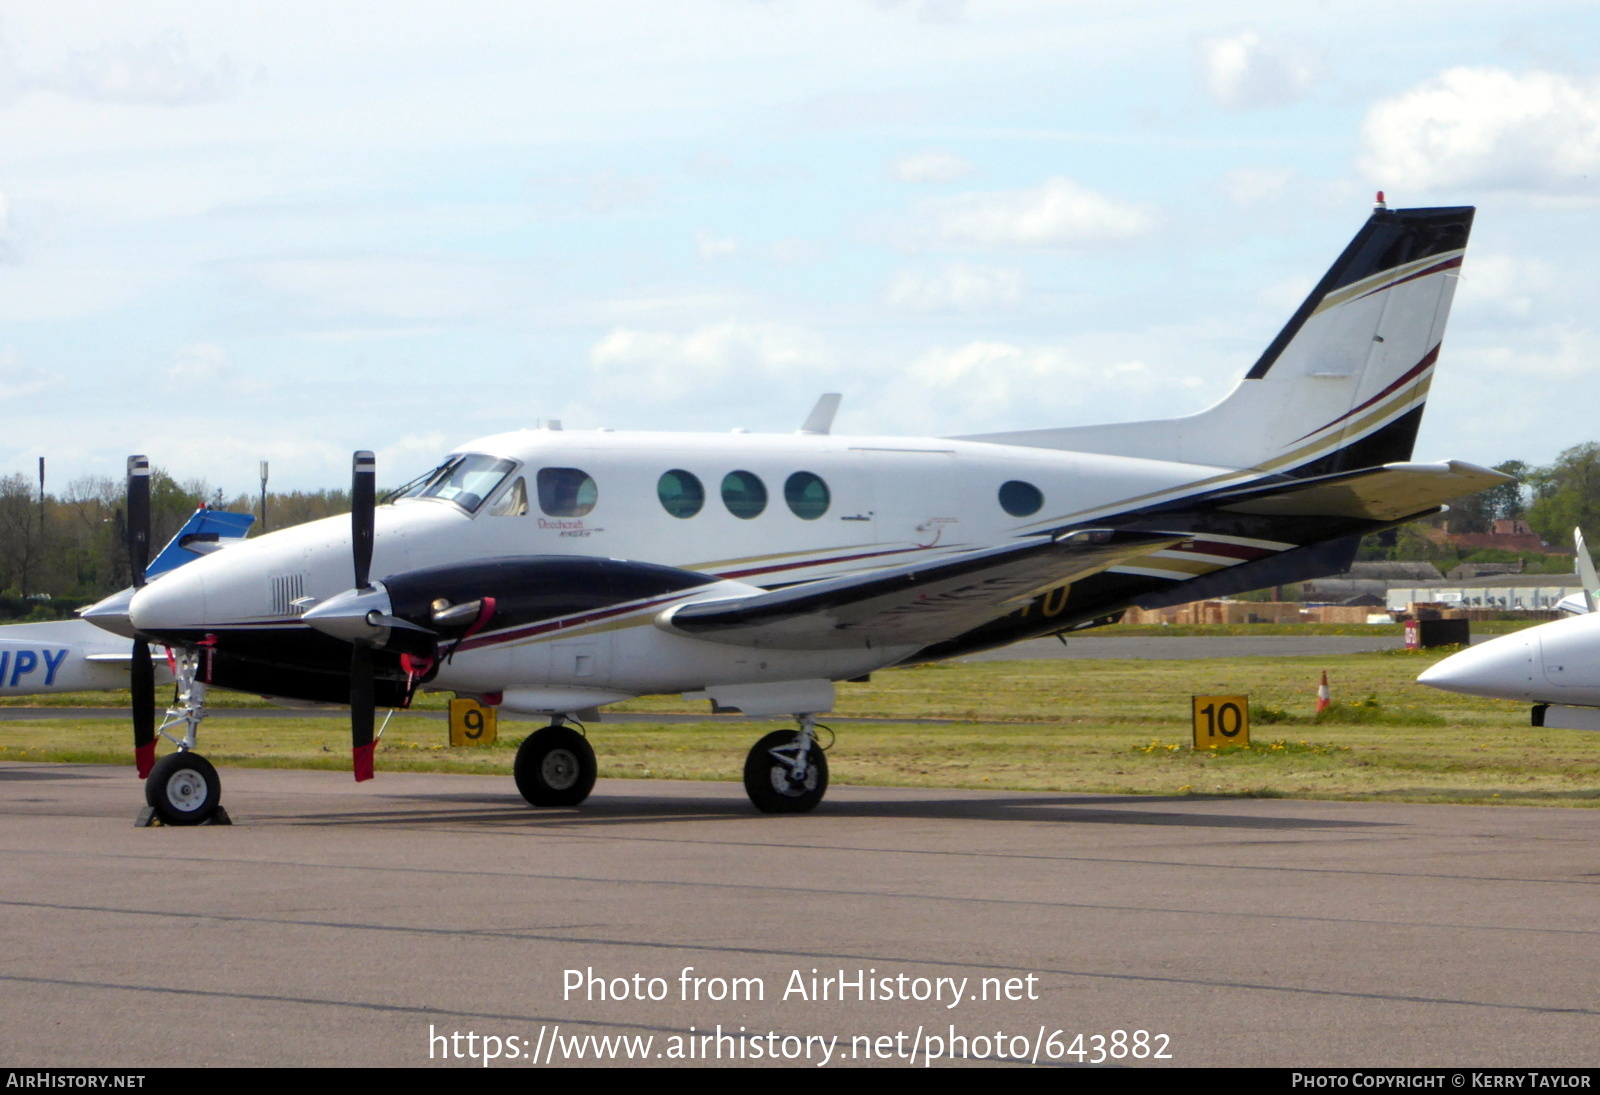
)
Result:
{"points": [[1091, 726]]}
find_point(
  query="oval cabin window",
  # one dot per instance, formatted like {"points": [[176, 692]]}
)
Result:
{"points": [[744, 494], [681, 493], [807, 495], [1020, 499]]}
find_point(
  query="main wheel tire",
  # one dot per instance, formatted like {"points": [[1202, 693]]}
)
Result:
{"points": [[555, 767], [183, 789], [769, 783]]}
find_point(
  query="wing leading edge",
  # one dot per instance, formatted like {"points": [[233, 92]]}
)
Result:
{"points": [[914, 604]]}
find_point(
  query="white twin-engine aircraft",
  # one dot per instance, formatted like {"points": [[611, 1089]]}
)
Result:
{"points": [[554, 572]]}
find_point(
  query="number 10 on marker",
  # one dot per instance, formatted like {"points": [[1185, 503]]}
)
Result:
{"points": [[1221, 720]]}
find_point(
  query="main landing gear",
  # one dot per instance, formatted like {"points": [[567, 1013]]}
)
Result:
{"points": [[787, 771], [555, 766], [183, 788]]}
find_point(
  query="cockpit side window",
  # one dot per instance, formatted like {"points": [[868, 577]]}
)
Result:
{"points": [[566, 492], [513, 502], [465, 480]]}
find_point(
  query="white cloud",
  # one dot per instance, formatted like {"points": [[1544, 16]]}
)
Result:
{"points": [[637, 363], [1559, 352], [18, 378], [159, 72], [1510, 284], [1244, 71], [1285, 296], [932, 166], [930, 11], [1251, 186], [610, 191], [794, 251], [8, 250], [710, 247], [955, 288], [1486, 127], [987, 384], [984, 363], [200, 362], [351, 291], [1057, 213]]}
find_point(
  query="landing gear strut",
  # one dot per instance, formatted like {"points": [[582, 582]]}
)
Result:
{"points": [[183, 788], [555, 766], [786, 771]]}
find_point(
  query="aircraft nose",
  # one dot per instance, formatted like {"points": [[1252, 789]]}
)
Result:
{"points": [[1503, 668], [176, 602]]}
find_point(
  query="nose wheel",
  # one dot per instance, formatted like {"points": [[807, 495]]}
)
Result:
{"points": [[183, 789]]}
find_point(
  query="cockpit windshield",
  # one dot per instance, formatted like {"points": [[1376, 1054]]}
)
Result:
{"points": [[466, 480]]}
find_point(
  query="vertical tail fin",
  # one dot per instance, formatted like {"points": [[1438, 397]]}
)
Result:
{"points": [[1343, 384]]}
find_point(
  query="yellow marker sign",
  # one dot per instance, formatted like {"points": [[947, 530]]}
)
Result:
{"points": [[1221, 720], [471, 723]]}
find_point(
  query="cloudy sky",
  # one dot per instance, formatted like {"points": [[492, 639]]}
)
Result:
{"points": [[286, 231]]}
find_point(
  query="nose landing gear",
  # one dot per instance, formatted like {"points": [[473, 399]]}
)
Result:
{"points": [[183, 788], [787, 771]]}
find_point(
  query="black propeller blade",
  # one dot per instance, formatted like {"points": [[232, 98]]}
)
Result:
{"points": [[142, 677], [363, 500], [361, 711]]}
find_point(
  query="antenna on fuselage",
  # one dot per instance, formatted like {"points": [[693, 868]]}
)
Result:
{"points": [[820, 420]]}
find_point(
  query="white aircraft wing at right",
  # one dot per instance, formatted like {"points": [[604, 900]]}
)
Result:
{"points": [[915, 604]]}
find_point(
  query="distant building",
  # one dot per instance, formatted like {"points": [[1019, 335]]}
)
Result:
{"points": [[1506, 535], [1478, 570], [1510, 592], [1368, 580]]}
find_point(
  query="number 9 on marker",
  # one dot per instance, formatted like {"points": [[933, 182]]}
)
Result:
{"points": [[471, 723], [1221, 720]]}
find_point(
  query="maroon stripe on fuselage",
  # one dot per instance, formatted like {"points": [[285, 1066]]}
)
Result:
{"points": [[777, 567], [492, 638]]}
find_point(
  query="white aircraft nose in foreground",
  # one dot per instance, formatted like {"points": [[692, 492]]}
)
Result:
{"points": [[557, 571], [1555, 666]]}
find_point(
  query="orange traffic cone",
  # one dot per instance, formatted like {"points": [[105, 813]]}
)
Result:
{"points": [[1324, 697]]}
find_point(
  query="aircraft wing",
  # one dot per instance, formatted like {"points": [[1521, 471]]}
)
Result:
{"points": [[1388, 492], [914, 604]]}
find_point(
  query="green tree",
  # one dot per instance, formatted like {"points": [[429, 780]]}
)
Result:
{"points": [[1505, 502], [1566, 495]]}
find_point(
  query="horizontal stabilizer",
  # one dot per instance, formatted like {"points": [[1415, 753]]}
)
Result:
{"points": [[914, 604], [1389, 492]]}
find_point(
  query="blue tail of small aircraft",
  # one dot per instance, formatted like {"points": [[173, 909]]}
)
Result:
{"points": [[204, 532]]}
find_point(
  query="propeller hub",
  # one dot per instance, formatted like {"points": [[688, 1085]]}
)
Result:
{"points": [[356, 615], [114, 614]]}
